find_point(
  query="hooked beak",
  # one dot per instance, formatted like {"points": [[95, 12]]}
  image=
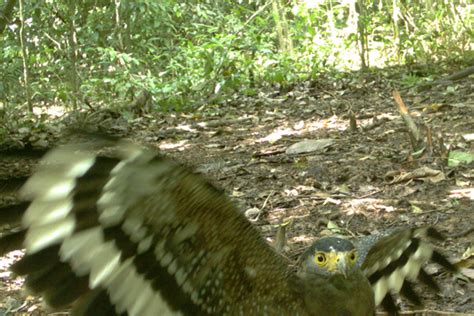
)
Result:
{"points": [[341, 264], [338, 263]]}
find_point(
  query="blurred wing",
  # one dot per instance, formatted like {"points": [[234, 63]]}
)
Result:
{"points": [[394, 260], [141, 235]]}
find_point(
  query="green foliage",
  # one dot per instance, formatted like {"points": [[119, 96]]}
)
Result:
{"points": [[411, 80], [187, 52]]}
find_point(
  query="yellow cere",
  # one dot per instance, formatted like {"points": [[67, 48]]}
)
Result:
{"points": [[330, 260]]}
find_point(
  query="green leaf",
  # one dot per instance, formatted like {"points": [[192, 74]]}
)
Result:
{"points": [[457, 157]]}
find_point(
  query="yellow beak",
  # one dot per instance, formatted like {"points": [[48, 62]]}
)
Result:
{"points": [[337, 263]]}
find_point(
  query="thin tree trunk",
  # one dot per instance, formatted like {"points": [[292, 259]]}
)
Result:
{"points": [[24, 53], [74, 78], [118, 26], [362, 35], [281, 25]]}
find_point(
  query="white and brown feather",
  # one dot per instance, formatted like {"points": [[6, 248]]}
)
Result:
{"points": [[132, 227], [133, 233]]}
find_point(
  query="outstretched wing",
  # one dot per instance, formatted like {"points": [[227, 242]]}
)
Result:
{"points": [[393, 261], [135, 233]]}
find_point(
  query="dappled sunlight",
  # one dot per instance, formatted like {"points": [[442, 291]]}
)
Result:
{"points": [[52, 111], [181, 145], [278, 134], [303, 128], [366, 206], [332, 123], [187, 128], [13, 284], [462, 194], [304, 239]]}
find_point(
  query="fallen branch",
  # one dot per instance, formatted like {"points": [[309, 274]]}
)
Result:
{"points": [[449, 79]]}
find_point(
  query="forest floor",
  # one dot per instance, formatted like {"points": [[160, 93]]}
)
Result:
{"points": [[353, 182]]}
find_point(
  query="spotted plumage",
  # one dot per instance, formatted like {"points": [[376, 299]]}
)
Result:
{"points": [[133, 233]]}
